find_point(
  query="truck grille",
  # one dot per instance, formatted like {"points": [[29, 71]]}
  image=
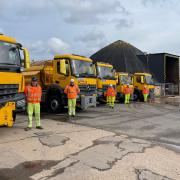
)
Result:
{"points": [[8, 90], [88, 89]]}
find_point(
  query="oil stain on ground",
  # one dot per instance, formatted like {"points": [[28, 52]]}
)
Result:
{"points": [[25, 170]]}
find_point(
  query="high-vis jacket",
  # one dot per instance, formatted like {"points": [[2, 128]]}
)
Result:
{"points": [[33, 94], [145, 90], [111, 92], [72, 91], [127, 90]]}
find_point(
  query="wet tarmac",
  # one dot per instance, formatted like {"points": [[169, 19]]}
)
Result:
{"points": [[158, 121]]}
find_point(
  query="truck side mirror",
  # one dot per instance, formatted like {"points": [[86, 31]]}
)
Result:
{"points": [[132, 80], [142, 79], [26, 58], [63, 67]]}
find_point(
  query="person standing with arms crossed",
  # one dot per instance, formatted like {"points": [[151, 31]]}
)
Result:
{"points": [[33, 95], [72, 90]]}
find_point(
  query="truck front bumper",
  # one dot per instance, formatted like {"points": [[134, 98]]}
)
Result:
{"points": [[88, 101]]}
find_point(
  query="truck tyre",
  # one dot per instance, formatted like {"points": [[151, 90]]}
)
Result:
{"points": [[141, 97], [136, 95], [55, 104]]}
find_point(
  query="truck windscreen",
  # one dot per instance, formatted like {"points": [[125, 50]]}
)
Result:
{"points": [[149, 80], [9, 54], [124, 79], [82, 68], [105, 72]]}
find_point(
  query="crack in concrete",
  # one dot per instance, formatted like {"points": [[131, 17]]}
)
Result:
{"points": [[40, 134], [95, 157], [145, 174]]}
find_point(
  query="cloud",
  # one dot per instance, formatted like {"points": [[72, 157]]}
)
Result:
{"points": [[124, 23], [160, 2], [91, 37], [48, 48], [56, 45], [71, 11], [91, 42], [20, 10], [88, 11]]}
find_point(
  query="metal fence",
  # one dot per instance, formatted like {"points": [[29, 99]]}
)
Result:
{"points": [[166, 89]]}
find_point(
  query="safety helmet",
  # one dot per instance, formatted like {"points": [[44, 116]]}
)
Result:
{"points": [[72, 80], [127, 84], [34, 78], [111, 85]]}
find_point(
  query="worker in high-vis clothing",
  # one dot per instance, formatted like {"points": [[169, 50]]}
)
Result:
{"points": [[72, 90], [145, 92], [110, 96], [33, 93], [127, 93]]}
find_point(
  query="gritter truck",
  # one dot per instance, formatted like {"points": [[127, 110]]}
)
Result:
{"points": [[54, 75], [12, 97]]}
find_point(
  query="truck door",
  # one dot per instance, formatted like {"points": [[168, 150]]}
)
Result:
{"points": [[62, 72]]}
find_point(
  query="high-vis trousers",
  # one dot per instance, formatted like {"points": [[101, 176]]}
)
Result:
{"points": [[145, 97], [127, 98], [110, 101], [33, 108], [72, 107]]}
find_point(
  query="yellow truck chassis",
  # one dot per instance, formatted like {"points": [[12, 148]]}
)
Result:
{"points": [[6, 114]]}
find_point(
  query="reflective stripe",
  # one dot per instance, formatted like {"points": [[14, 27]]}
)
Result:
{"points": [[33, 94], [71, 91], [111, 92]]}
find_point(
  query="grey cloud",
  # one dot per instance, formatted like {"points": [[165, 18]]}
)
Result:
{"points": [[71, 11], [88, 11], [124, 23], [91, 42], [92, 36], [12, 10]]}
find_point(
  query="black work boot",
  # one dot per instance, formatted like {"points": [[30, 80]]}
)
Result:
{"points": [[27, 129], [39, 127]]}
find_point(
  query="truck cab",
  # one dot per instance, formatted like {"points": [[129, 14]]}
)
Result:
{"points": [[105, 76], [139, 81], [122, 80], [55, 75], [12, 97]]}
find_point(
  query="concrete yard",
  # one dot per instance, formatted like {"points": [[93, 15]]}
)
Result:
{"points": [[136, 141]]}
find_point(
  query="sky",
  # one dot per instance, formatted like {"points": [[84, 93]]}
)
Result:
{"points": [[49, 27]]}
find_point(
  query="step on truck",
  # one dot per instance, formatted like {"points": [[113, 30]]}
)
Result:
{"points": [[139, 81], [105, 76], [123, 79], [12, 59], [54, 75]]}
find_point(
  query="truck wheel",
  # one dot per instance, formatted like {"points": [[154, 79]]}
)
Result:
{"points": [[136, 96], [141, 97], [55, 104]]}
